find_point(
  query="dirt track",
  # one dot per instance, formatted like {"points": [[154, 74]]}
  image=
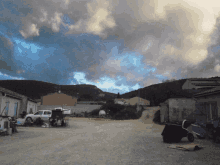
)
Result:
{"points": [[96, 142]]}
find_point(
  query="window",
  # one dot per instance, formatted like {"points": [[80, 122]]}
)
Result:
{"points": [[47, 113], [15, 109], [39, 113], [211, 110], [6, 108]]}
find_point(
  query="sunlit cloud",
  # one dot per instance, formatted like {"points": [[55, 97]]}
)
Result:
{"points": [[8, 77], [114, 44]]}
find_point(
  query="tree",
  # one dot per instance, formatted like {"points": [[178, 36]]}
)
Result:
{"points": [[171, 80], [118, 96]]}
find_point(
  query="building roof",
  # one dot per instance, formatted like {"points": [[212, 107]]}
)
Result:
{"points": [[11, 93], [29, 99], [204, 79], [206, 84], [208, 92]]}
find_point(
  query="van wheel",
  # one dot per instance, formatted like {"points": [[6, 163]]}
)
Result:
{"points": [[216, 139], [165, 139], [29, 120]]}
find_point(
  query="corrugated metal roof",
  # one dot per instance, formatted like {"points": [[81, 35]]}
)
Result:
{"points": [[207, 84], [204, 79], [214, 90]]}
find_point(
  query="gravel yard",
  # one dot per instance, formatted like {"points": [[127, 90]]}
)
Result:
{"points": [[100, 142]]}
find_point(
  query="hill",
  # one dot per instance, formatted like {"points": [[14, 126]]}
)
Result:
{"points": [[159, 93], [35, 89]]}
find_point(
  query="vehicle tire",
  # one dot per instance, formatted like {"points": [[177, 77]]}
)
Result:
{"points": [[165, 139], [200, 137], [190, 137], [29, 120]]}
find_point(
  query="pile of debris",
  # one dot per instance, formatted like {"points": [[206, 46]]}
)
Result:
{"points": [[7, 125], [187, 147]]}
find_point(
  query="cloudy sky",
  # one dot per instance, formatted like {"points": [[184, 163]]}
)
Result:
{"points": [[117, 45]]}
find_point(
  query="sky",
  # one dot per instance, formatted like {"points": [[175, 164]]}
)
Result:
{"points": [[116, 45]]}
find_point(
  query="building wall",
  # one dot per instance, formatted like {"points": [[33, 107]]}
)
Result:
{"points": [[31, 105], [58, 99], [180, 109], [164, 116], [11, 108], [23, 106]]}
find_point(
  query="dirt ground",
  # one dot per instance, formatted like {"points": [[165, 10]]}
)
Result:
{"points": [[96, 141]]}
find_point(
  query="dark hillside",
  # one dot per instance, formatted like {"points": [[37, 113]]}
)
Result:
{"points": [[31, 88], [159, 93], [35, 89]]}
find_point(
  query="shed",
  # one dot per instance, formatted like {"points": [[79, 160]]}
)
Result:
{"points": [[177, 109]]}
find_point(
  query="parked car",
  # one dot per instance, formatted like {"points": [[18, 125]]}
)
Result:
{"points": [[43, 114]]}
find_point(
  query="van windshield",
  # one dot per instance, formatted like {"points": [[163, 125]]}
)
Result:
{"points": [[39, 113]]}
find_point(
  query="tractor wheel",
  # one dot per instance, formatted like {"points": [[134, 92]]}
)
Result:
{"points": [[190, 137], [216, 138], [166, 139]]}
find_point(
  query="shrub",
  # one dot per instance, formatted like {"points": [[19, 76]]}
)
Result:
{"points": [[86, 114], [124, 114], [94, 112]]}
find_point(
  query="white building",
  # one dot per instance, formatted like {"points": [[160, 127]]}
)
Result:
{"points": [[13, 104]]}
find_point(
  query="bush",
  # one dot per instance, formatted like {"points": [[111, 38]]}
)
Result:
{"points": [[86, 114], [121, 115], [94, 112]]}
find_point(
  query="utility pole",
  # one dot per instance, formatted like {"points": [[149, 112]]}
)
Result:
{"points": [[138, 107]]}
